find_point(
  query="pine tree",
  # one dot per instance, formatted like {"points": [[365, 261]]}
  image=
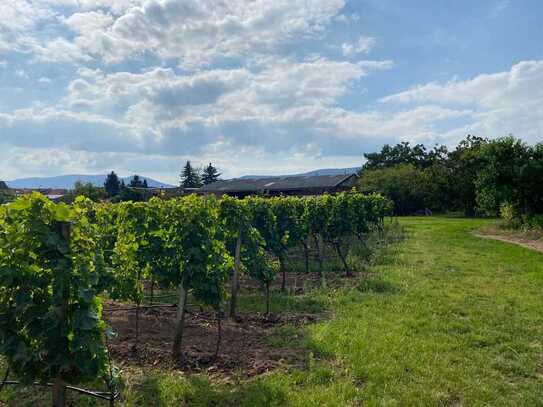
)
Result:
{"points": [[190, 177], [136, 182], [210, 175], [112, 185], [145, 185], [3, 185]]}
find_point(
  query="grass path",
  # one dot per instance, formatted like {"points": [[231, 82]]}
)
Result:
{"points": [[458, 321]]}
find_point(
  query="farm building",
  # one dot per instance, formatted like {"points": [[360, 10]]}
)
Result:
{"points": [[53, 194], [293, 185]]}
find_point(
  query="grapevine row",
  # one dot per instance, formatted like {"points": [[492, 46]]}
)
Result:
{"points": [[57, 262]]}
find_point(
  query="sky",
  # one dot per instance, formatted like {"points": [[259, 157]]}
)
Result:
{"points": [[258, 86]]}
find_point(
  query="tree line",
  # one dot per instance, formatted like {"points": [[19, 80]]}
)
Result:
{"points": [[57, 261], [5, 194], [479, 177], [137, 190]]}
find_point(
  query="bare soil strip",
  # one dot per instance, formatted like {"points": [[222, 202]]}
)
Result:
{"points": [[536, 245], [244, 346]]}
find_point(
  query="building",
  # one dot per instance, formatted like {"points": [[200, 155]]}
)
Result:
{"points": [[272, 186], [54, 194]]}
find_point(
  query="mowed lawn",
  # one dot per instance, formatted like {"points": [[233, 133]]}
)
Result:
{"points": [[448, 319], [458, 321]]}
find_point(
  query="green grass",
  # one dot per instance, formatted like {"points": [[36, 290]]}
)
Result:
{"points": [[314, 302], [460, 322], [448, 319]]}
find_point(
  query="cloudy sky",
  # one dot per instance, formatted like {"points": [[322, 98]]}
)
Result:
{"points": [[258, 86]]}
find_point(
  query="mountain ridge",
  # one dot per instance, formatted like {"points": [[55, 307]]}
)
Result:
{"points": [[68, 181], [323, 171]]}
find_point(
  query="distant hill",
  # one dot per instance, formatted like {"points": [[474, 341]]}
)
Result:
{"points": [[325, 171], [68, 181]]}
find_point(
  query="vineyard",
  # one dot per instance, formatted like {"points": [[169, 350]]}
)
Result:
{"points": [[66, 271]]}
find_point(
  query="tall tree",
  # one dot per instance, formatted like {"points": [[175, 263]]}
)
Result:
{"points": [[210, 175], [190, 177], [404, 153], [112, 185], [86, 189], [403, 183], [466, 161], [501, 179], [137, 182], [5, 195]]}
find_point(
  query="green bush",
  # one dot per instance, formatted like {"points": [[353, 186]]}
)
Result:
{"points": [[509, 215]]}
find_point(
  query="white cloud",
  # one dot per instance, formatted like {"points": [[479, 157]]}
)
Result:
{"points": [[499, 7], [115, 6], [18, 18], [223, 109], [277, 115], [502, 103], [345, 18], [89, 22], [21, 73], [193, 32], [52, 128], [22, 15], [281, 106], [362, 46], [197, 32]]}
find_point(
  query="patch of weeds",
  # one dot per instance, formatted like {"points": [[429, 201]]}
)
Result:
{"points": [[479, 341], [261, 392], [313, 302], [458, 328], [287, 336], [450, 401], [172, 389], [320, 375], [377, 286], [386, 256]]}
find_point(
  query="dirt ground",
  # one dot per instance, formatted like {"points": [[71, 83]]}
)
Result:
{"points": [[244, 347], [524, 242]]}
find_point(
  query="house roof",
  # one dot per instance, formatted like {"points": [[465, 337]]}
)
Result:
{"points": [[277, 183]]}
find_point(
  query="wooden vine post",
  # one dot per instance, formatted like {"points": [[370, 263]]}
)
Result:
{"points": [[219, 334], [63, 284], [235, 278], [319, 246], [180, 318]]}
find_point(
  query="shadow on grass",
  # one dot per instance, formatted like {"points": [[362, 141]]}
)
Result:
{"points": [[165, 390], [276, 389], [313, 303]]}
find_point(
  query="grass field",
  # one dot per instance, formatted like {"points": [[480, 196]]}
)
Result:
{"points": [[448, 319]]}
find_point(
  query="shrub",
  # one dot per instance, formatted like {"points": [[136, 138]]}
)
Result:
{"points": [[509, 215]]}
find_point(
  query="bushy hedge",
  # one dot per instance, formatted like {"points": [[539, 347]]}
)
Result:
{"points": [[478, 177]]}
